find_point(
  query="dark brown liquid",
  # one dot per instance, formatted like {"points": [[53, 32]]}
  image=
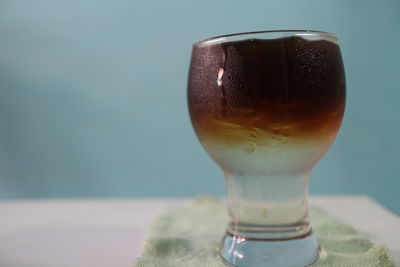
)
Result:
{"points": [[289, 87]]}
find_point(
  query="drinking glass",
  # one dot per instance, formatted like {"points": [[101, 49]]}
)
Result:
{"points": [[266, 106]]}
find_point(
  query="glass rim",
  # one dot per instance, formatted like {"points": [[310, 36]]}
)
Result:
{"points": [[267, 35]]}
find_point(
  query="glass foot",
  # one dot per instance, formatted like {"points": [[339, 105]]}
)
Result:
{"points": [[242, 252]]}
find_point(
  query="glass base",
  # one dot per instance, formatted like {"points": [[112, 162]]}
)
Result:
{"points": [[245, 252]]}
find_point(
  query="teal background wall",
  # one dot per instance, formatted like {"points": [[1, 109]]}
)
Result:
{"points": [[93, 95]]}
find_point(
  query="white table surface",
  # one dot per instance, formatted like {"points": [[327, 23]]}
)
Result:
{"points": [[110, 232]]}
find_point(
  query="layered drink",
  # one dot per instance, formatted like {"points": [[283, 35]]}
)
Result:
{"points": [[266, 106]]}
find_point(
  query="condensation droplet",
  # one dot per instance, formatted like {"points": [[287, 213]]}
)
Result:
{"points": [[251, 147]]}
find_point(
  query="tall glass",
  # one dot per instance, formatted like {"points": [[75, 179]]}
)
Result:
{"points": [[266, 106]]}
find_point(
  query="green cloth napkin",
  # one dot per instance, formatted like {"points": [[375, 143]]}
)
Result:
{"points": [[189, 236]]}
